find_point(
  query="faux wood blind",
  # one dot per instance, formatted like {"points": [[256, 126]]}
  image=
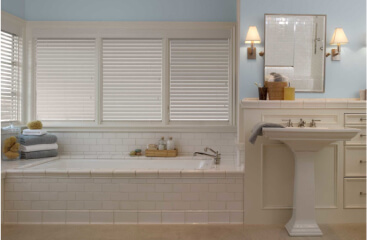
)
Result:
{"points": [[10, 77], [199, 80], [65, 79], [132, 79]]}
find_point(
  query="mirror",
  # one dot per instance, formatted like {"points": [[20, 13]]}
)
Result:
{"points": [[295, 48]]}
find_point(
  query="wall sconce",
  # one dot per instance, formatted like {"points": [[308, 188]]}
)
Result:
{"points": [[338, 39], [253, 38]]}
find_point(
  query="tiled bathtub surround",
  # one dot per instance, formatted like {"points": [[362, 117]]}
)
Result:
{"points": [[110, 143], [124, 200]]}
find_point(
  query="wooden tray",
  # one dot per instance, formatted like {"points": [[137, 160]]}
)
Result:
{"points": [[161, 153]]}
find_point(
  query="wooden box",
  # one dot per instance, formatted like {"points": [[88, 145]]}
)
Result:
{"points": [[161, 153], [276, 90]]}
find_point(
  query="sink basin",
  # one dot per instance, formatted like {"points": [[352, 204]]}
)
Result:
{"points": [[305, 143], [309, 139]]}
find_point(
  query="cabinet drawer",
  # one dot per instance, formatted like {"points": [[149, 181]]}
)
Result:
{"points": [[354, 193], [355, 118], [360, 139], [355, 161]]}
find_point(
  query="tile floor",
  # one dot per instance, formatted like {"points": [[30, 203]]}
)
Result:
{"points": [[173, 232]]}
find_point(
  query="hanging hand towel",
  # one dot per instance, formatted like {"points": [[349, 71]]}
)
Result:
{"points": [[34, 132], [39, 147]]}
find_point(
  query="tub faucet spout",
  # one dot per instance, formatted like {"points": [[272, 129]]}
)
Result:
{"points": [[216, 156]]}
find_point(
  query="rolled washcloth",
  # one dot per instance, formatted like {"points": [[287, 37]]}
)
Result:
{"points": [[28, 140], [257, 130], [39, 147], [39, 154], [34, 132]]}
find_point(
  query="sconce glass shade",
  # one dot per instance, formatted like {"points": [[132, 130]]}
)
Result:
{"points": [[339, 37], [252, 35]]}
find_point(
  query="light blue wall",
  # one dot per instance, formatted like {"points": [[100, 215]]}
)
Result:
{"points": [[15, 7], [343, 78], [125, 10]]}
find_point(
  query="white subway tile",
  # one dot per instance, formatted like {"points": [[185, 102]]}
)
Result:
{"points": [[149, 217], [173, 217], [29, 217], [10, 217], [50, 217], [101, 217], [125, 217], [77, 217], [196, 217], [218, 217]]}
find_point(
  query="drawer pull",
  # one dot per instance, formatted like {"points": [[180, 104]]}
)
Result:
{"points": [[362, 161], [363, 119], [362, 193], [362, 135]]}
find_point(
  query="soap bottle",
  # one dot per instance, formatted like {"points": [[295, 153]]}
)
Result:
{"points": [[170, 144], [161, 144]]}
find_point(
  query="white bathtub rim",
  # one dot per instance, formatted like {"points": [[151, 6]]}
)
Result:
{"points": [[217, 172]]}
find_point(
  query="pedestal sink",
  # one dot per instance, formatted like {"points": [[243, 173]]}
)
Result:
{"points": [[305, 144]]}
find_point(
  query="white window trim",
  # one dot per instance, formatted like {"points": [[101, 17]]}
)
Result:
{"points": [[17, 26], [164, 30]]}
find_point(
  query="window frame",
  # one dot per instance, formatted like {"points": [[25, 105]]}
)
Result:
{"points": [[151, 30]]}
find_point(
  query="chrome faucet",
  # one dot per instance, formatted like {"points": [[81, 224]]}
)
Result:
{"points": [[216, 155]]}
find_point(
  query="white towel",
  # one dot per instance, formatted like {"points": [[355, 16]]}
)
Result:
{"points": [[34, 132], [38, 147]]}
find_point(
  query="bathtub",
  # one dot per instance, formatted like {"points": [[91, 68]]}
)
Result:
{"points": [[140, 190]]}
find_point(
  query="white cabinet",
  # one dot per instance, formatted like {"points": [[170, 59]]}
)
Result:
{"points": [[355, 163], [355, 193]]}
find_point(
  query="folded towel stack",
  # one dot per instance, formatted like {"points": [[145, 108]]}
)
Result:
{"points": [[37, 143]]}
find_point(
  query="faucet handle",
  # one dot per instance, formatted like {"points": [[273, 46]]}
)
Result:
{"points": [[289, 122], [301, 123], [313, 122]]}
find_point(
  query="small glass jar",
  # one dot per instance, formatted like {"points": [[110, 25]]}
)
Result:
{"points": [[8, 134]]}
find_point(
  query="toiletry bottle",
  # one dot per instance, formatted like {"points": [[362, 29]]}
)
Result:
{"points": [[170, 144], [161, 144]]}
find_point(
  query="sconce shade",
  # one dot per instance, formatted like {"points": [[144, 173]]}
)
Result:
{"points": [[252, 35], [338, 37]]}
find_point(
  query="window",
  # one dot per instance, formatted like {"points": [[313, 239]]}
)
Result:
{"points": [[168, 75], [199, 80], [132, 79], [66, 79], [10, 78]]}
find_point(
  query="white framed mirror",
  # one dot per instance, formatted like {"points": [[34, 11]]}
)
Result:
{"points": [[295, 47]]}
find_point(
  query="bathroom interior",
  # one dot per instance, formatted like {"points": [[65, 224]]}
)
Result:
{"points": [[183, 119]]}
